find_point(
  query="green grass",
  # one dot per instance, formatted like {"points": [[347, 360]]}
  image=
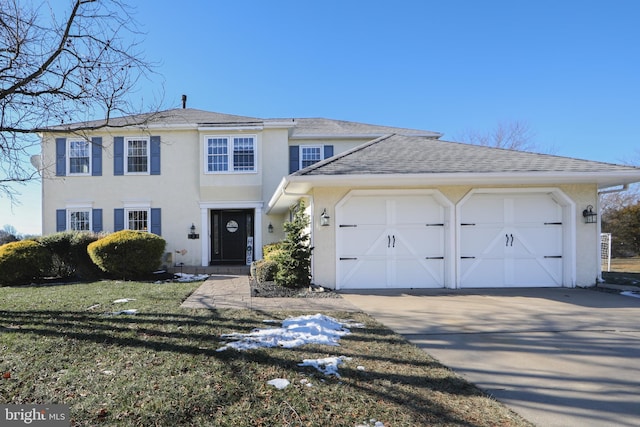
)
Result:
{"points": [[160, 366]]}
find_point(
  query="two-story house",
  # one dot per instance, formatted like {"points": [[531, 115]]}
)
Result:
{"points": [[389, 207]]}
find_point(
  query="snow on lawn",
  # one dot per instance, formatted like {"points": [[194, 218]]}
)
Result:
{"points": [[631, 294], [186, 278], [295, 331], [328, 365]]}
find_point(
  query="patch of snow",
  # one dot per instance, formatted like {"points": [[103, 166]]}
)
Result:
{"points": [[185, 277], [374, 423], [305, 382], [361, 368], [295, 332], [121, 300], [630, 294], [279, 383], [328, 365]]}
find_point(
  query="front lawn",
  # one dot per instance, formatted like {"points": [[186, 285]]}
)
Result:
{"points": [[63, 344]]}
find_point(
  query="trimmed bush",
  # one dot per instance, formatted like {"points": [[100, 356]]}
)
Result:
{"points": [[23, 262], [265, 270], [128, 254], [294, 258], [270, 250], [69, 254]]}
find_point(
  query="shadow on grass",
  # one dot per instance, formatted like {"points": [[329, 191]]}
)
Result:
{"points": [[410, 386]]}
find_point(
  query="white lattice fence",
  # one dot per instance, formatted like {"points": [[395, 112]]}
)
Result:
{"points": [[605, 250]]}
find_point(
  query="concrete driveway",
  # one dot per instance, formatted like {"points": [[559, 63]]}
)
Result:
{"points": [[558, 357]]}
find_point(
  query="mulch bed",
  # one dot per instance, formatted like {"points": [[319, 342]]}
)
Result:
{"points": [[271, 290]]}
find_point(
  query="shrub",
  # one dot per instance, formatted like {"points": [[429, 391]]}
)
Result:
{"points": [[23, 262], [270, 250], [128, 254], [69, 254], [265, 270], [294, 259]]}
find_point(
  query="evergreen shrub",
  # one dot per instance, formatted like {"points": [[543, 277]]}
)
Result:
{"points": [[128, 254], [294, 258], [23, 262]]}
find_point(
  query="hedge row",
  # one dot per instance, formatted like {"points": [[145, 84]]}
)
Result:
{"points": [[87, 256]]}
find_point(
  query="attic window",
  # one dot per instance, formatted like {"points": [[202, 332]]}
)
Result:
{"points": [[309, 155], [230, 154]]}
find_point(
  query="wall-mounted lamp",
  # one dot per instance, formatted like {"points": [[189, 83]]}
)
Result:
{"points": [[270, 228], [590, 217], [325, 218], [192, 232]]}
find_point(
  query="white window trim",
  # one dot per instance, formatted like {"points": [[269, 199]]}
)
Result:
{"points": [[230, 164], [126, 154], [68, 159], [70, 210], [301, 147], [127, 210]]}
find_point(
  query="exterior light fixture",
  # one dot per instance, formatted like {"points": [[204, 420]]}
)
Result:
{"points": [[590, 217], [192, 232], [325, 218], [270, 228]]}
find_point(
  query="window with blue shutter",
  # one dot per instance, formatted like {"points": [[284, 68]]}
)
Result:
{"points": [[96, 219], [294, 158], [61, 160], [118, 157], [96, 156], [61, 219], [156, 221], [118, 219], [155, 155]]}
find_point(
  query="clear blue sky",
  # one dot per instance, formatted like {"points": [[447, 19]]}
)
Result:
{"points": [[571, 69]]}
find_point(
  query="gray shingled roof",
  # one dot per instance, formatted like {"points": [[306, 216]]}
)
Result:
{"points": [[398, 154], [301, 127], [314, 127]]}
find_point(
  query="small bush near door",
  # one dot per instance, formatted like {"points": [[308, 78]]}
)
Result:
{"points": [[128, 254], [294, 256]]}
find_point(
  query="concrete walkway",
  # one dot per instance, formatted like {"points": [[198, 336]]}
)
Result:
{"points": [[229, 291]]}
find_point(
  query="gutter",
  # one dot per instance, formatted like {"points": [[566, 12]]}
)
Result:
{"points": [[624, 187]]}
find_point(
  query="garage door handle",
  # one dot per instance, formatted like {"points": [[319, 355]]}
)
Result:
{"points": [[467, 223], [553, 256], [434, 257], [388, 241], [509, 236], [394, 241], [347, 258], [435, 225], [467, 257], [552, 223], [347, 225]]}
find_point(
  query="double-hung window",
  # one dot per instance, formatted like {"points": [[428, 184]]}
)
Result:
{"points": [[137, 154], [79, 219], [137, 219], [230, 154], [310, 154], [79, 157]]}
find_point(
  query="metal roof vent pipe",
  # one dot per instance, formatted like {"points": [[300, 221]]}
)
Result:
{"points": [[184, 101]]}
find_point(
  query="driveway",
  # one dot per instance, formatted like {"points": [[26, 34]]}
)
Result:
{"points": [[558, 357]]}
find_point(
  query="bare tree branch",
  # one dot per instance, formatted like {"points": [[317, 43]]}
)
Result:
{"points": [[61, 75]]}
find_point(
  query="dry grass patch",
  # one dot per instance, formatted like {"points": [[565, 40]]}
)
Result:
{"points": [[161, 367]]}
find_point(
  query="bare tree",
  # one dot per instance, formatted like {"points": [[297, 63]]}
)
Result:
{"points": [[611, 202], [513, 135], [55, 72]]}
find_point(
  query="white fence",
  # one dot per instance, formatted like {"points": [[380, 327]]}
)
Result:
{"points": [[605, 250]]}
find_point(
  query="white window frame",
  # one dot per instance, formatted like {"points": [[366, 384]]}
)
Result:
{"points": [[88, 172], [231, 167], [78, 209], [301, 150], [126, 154], [129, 210]]}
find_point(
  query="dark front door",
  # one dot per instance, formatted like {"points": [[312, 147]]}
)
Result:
{"points": [[230, 237]]}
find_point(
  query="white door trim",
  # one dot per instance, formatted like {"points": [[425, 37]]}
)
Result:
{"points": [[568, 220]]}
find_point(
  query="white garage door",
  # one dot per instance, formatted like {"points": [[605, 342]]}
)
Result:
{"points": [[512, 240], [396, 240]]}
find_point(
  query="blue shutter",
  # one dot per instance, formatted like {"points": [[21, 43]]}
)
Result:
{"points": [[294, 158], [96, 220], [118, 155], [61, 219], [118, 219], [155, 155], [328, 151], [156, 221], [61, 160], [96, 156]]}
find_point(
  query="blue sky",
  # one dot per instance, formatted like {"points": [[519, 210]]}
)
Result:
{"points": [[570, 69]]}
